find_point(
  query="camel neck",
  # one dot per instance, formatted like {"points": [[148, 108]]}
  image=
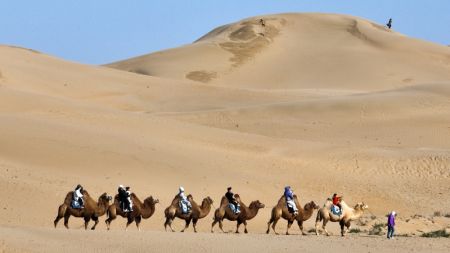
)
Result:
{"points": [[204, 209], [307, 212], [147, 209]]}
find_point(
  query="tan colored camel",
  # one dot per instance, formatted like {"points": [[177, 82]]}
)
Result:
{"points": [[225, 212], [197, 212], [92, 210], [281, 211], [140, 210], [348, 214]]}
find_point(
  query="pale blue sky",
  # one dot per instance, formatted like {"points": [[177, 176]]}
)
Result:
{"points": [[102, 31]]}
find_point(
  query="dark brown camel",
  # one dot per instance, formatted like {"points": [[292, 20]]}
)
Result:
{"points": [[198, 212], [225, 212], [92, 210], [140, 210], [281, 211]]}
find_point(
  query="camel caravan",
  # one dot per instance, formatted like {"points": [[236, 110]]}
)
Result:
{"points": [[80, 204]]}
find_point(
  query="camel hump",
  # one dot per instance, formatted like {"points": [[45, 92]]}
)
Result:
{"points": [[135, 198], [297, 202], [176, 200], [282, 200], [68, 199], [224, 201]]}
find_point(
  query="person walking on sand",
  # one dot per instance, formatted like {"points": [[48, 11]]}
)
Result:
{"points": [[389, 24], [391, 224]]}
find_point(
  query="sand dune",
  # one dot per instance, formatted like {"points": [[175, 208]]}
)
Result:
{"points": [[324, 103], [295, 51]]}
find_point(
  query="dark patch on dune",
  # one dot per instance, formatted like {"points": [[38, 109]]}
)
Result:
{"points": [[407, 80], [246, 32], [140, 72], [201, 75], [353, 29], [250, 38]]}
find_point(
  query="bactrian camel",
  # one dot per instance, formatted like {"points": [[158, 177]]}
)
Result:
{"points": [[225, 212], [140, 210], [348, 214], [281, 211], [197, 212], [92, 209]]}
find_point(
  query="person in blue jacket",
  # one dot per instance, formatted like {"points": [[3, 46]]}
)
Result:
{"points": [[289, 196]]}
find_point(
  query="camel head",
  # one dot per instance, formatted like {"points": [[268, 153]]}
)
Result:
{"points": [[207, 200], [150, 200], [104, 198], [361, 206], [256, 204], [311, 205]]}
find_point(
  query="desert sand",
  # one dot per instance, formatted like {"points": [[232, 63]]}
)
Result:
{"points": [[325, 103]]}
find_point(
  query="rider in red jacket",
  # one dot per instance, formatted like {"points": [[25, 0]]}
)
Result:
{"points": [[336, 200]]}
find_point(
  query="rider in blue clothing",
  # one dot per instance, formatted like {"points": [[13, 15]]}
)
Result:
{"points": [[289, 196]]}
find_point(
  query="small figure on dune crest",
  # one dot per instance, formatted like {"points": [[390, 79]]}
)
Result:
{"points": [[389, 23], [391, 224], [262, 22]]}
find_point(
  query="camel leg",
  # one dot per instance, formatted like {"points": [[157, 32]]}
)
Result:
{"points": [[245, 227], [86, 222], [188, 221], [95, 219], [317, 227], [112, 216], [60, 215], [268, 225], [342, 224], [344, 227], [129, 221], [66, 220], [221, 225], [138, 222], [324, 225], [109, 220], [347, 225], [289, 226], [300, 226], [237, 226], [57, 220], [168, 223], [194, 224], [274, 225], [212, 225]]}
